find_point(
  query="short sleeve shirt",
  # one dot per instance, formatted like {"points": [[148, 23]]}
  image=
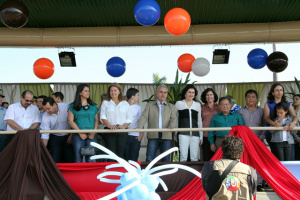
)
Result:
{"points": [[23, 117], [84, 119]]}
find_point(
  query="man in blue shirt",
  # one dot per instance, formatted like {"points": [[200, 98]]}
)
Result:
{"points": [[3, 123], [226, 118]]}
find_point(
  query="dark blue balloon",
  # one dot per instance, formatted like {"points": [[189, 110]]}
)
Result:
{"points": [[147, 12], [257, 58], [115, 66]]}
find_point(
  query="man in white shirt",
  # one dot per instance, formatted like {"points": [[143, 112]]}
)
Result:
{"points": [[56, 118], [23, 115]]}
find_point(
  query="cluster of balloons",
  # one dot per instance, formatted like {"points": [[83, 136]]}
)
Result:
{"points": [[137, 183], [115, 66], [276, 61], [14, 14], [43, 68], [187, 63], [177, 21]]}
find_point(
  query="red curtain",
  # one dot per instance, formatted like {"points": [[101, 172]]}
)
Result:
{"points": [[82, 177], [260, 158]]}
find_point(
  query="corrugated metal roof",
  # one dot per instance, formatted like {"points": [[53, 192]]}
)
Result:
{"points": [[99, 13]]}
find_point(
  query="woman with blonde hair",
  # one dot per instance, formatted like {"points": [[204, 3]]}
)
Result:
{"points": [[115, 114]]}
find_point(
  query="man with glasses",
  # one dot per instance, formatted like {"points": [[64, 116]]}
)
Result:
{"points": [[226, 118], [23, 115]]}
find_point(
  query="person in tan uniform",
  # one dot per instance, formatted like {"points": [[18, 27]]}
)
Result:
{"points": [[241, 180]]}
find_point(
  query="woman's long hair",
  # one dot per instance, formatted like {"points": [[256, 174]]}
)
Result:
{"points": [[271, 97], [77, 100]]}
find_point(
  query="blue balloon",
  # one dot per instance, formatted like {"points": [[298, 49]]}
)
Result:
{"points": [[257, 58], [140, 192], [115, 67], [122, 196], [147, 12], [151, 182]]}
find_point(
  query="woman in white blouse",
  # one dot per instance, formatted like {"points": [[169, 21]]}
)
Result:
{"points": [[115, 114], [189, 116]]}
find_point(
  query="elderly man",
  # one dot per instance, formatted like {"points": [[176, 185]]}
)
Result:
{"points": [[240, 181], [226, 118], [56, 118], [3, 124], [159, 114], [23, 115]]}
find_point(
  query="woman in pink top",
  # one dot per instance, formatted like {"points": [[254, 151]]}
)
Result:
{"points": [[208, 110]]}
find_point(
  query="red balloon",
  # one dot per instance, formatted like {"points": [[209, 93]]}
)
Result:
{"points": [[43, 68], [185, 62], [177, 21]]}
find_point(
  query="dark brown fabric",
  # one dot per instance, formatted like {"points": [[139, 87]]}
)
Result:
{"points": [[177, 181], [27, 171]]}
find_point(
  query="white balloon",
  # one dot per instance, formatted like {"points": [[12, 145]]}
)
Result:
{"points": [[201, 67]]}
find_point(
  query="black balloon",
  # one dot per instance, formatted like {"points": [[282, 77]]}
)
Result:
{"points": [[14, 14], [277, 61]]}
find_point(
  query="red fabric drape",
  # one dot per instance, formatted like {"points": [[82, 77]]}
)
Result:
{"points": [[82, 178], [260, 158]]}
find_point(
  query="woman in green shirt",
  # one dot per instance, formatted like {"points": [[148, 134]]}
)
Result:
{"points": [[82, 114]]}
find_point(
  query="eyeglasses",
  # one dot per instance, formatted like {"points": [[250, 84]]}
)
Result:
{"points": [[86, 107], [28, 100]]}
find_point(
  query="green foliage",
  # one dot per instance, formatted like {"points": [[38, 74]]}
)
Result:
{"points": [[149, 99], [176, 88], [298, 86], [157, 81]]}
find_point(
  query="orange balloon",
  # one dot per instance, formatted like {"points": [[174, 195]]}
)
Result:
{"points": [[185, 62], [43, 68], [177, 21]]}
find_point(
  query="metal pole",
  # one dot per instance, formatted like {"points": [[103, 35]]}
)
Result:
{"points": [[275, 75]]}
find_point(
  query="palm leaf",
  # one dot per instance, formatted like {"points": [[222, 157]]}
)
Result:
{"points": [[298, 84]]}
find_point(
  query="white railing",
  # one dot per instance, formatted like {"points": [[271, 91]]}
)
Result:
{"points": [[148, 130]]}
